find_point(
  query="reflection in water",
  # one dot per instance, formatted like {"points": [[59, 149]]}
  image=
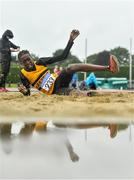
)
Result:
{"points": [[6, 138], [26, 130], [49, 134], [113, 128]]}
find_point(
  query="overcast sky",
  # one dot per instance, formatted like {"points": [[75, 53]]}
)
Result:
{"points": [[43, 26]]}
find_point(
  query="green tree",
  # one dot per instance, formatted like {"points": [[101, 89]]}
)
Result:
{"points": [[101, 58], [34, 56], [71, 59], [133, 59], [59, 52], [122, 54], [14, 58], [92, 59]]}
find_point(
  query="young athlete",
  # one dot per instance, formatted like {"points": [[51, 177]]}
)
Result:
{"points": [[37, 73]]}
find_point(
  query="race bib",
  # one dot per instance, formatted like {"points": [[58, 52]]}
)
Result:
{"points": [[47, 81]]}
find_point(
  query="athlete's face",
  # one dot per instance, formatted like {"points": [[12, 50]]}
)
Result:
{"points": [[27, 62]]}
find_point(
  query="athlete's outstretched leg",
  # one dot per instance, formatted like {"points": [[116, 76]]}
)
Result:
{"points": [[112, 67]]}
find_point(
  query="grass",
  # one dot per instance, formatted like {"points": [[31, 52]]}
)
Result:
{"points": [[12, 85]]}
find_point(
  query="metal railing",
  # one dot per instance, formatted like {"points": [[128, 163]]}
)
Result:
{"points": [[132, 85]]}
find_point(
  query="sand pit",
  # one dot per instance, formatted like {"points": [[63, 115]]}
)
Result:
{"points": [[39, 105]]}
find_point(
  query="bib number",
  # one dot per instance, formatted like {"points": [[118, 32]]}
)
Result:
{"points": [[47, 81]]}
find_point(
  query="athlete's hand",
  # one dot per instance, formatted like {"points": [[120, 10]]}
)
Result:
{"points": [[74, 34], [74, 157], [23, 89], [14, 50]]}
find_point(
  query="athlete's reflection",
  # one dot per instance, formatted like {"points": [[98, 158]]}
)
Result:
{"points": [[48, 127], [5, 136], [113, 128], [10, 131]]}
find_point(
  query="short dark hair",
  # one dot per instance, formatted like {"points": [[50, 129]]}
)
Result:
{"points": [[21, 53]]}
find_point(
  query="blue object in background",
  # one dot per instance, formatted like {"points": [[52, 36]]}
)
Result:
{"points": [[112, 83], [74, 82], [91, 81]]}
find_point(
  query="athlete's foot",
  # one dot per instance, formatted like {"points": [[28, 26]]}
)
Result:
{"points": [[113, 130], [113, 64], [6, 90], [3, 89]]}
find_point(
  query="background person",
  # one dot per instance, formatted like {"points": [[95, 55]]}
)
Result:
{"points": [[6, 47], [74, 81], [91, 81]]}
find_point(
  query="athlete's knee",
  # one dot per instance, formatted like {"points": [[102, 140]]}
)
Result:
{"points": [[73, 68]]}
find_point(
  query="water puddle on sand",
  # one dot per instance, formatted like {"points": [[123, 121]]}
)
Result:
{"points": [[66, 149]]}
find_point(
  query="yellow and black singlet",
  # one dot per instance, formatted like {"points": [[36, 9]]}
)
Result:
{"points": [[41, 78]]}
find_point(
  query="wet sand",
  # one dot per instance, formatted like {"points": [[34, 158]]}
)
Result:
{"points": [[40, 105]]}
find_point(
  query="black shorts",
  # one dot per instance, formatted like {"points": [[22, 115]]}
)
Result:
{"points": [[62, 83]]}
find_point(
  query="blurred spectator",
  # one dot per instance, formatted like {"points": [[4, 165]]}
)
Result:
{"points": [[6, 47], [74, 82], [91, 81]]}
